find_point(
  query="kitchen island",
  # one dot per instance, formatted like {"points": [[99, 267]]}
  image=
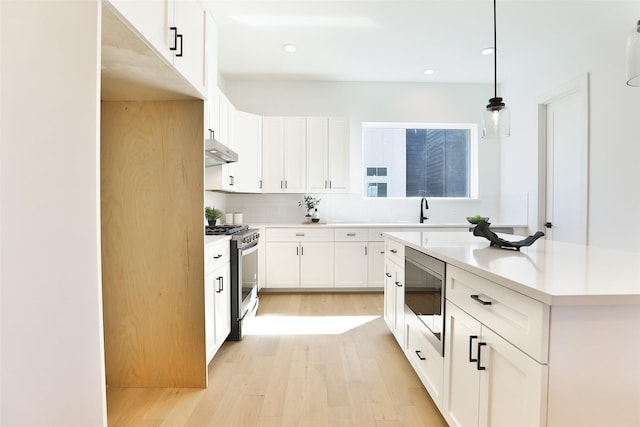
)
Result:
{"points": [[556, 328]]}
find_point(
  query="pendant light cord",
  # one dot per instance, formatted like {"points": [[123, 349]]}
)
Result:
{"points": [[495, 53]]}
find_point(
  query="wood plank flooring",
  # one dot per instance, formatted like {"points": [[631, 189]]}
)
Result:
{"points": [[308, 360]]}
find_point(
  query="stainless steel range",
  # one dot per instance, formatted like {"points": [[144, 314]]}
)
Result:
{"points": [[244, 273]]}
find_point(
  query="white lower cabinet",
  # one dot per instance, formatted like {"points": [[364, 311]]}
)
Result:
{"points": [[217, 294], [375, 265], [424, 358], [299, 258], [489, 382], [351, 264], [394, 297]]}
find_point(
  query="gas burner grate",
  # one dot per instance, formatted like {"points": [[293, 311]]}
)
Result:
{"points": [[218, 230]]}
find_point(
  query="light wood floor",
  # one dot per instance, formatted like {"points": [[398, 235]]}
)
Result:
{"points": [[349, 373]]}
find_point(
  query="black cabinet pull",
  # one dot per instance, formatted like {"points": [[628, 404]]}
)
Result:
{"points": [[393, 251], [480, 345], [420, 356], [477, 299], [548, 225], [471, 338], [301, 250], [175, 38], [398, 284], [217, 256], [388, 274], [180, 38]]}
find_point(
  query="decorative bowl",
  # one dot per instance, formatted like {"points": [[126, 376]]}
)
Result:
{"points": [[474, 220], [315, 219]]}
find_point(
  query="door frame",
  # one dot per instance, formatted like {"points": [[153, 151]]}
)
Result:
{"points": [[579, 86]]}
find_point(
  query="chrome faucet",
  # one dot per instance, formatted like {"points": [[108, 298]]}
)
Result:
{"points": [[423, 207]]}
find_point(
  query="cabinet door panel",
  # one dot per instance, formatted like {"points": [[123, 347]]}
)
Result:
{"points": [[222, 295], [209, 314], [512, 387], [389, 295], [283, 265], [462, 379], [272, 154], [295, 154], [376, 265], [317, 154], [351, 264], [190, 19], [316, 265], [248, 169]]}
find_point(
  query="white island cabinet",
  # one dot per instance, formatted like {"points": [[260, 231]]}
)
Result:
{"points": [[547, 336]]}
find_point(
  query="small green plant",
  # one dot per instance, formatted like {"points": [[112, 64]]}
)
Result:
{"points": [[212, 213], [309, 203]]}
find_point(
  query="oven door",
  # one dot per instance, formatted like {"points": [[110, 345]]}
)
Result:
{"points": [[248, 279]]}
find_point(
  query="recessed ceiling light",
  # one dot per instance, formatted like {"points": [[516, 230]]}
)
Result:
{"points": [[289, 48], [487, 51], [429, 72]]}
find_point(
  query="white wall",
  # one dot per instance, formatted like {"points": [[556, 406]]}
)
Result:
{"points": [[373, 102], [52, 363], [599, 49]]}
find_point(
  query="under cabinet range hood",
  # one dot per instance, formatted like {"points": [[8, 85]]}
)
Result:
{"points": [[216, 153]]}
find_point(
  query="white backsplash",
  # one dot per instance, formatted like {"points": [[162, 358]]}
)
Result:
{"points": [[347, 208]]}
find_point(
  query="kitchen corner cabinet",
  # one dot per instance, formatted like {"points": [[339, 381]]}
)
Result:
{"points": [[489, 380], [284, 154], [217, 296], [299, 258], [327, 154], [394, 290], [176, 30]]}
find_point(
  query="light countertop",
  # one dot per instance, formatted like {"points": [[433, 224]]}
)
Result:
{"points": [[554, 273], [385, 225]]}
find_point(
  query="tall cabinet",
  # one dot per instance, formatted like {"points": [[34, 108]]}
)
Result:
{"points": [[284, 154], [327, 154]]}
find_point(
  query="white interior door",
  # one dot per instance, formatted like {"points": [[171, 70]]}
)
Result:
{"points": [[564, 192]]}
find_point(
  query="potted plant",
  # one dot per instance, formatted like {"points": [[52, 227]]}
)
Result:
{"points": [[212, 215], [310, 204]]}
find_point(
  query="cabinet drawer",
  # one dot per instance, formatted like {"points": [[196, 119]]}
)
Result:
{"points": [[521, 320], [216, 254], [309, 234], [394, 251], [351, 234], [425, 359], [375, 234]]}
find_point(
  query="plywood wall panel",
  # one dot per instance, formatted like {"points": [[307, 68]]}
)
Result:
{"points": [[152, 243]]}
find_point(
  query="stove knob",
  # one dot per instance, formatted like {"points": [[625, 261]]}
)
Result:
{"points": [[244, 240]]}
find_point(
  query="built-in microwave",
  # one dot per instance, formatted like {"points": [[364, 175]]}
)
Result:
{"points": [[424, 293]]}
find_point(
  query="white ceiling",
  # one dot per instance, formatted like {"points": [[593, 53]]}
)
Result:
{"points": [[382, 40]]}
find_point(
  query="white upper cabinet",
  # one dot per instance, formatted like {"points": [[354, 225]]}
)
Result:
{"points": [[284, 154], [248, 169], [223, 177], [176, 30], [327, 154]]}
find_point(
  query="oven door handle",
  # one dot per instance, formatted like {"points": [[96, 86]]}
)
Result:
{"points": [[247, 250]]}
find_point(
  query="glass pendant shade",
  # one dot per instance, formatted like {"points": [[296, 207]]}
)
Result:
{"points": [[633, 57], [497, 120]]}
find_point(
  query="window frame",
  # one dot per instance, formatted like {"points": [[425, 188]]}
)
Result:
{"points": [[473, 154]]}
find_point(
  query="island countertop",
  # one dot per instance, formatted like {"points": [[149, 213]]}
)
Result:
{"points": [[554, 273]]}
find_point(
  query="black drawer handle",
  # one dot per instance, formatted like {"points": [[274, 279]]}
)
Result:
{"points": [[471, 338], [393, 251], [398, 284], [388, 274], [477, 299], [217, 256], [420, 356], [480, 345]]}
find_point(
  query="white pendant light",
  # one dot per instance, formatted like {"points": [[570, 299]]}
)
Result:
{"points": [[496, 121], [633, 56]]}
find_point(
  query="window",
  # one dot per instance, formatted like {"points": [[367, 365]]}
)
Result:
{"points": [[419, 160]]}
